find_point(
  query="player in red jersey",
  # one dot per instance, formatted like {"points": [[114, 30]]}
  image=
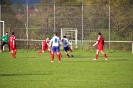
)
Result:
{"points": [[100, 42], [13, 45], [45, 46]]}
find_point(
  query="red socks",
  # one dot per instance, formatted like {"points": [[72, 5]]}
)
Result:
{"points": [[105, 55], [96, 56], [59, 56], [14, 54], [40, 52], [52, 56], [67, 55], [70, 49]]}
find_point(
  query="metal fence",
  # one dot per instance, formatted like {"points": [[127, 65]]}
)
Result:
{"points": [[36, 22]]}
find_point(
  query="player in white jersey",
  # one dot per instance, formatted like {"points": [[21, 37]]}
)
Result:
{"points": [[55, 44], [65, 42]]}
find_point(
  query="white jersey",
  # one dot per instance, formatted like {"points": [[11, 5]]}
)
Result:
{"points": [[55, 41], [65, 42]]}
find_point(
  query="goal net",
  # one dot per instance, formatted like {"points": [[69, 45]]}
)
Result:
{"points": [[71, 34]]}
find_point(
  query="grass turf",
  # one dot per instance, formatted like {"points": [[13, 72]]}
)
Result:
{"points": [[29, 70]]}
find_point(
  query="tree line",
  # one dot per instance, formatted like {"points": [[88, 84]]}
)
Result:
{"points": [[68, 13]]}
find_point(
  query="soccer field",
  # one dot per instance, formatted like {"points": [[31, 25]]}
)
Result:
{"points": [[29, 70]]}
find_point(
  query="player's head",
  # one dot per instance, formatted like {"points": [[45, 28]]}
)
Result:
{"points": [[47, 39], [64, 36], [13, 33], [99, 33], [55, 33], [6, 33]]}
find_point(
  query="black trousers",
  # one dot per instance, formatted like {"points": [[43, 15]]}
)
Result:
{"points": [[3, 43]]}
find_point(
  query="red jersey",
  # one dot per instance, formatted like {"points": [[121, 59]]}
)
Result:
{"points": [[100, 43], [12, 40], [44, 45]]}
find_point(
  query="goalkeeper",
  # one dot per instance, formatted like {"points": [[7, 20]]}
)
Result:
{"points": [[5, 41]]}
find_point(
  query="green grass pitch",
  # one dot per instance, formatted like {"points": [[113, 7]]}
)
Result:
{"points": [[29, 70]]}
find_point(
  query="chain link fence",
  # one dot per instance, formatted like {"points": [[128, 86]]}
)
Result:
{"points": [[42, 20]]}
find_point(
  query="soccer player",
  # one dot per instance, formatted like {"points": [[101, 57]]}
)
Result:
{"points": [[65, 42], [45, 46], [12, 42], [100, 42], [5, 41], [55, 44]]}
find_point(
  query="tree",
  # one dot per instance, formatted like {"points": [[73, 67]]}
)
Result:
{"points": [[9, 16], [19, 8]]}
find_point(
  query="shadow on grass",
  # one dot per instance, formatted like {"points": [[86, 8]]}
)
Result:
{"points": [[23, 74]]}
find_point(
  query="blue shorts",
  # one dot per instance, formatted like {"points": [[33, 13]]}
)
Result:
{"points": [[66, 48], [55, 49]]}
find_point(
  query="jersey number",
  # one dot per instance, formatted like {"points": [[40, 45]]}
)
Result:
{"points": [[55, 40]]}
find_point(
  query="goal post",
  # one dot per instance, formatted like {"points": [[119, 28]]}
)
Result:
{"points": [[2, 25], [71, 34]]}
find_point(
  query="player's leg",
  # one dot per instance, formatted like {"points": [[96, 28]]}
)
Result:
{"points": [[49, 50], [52, 53], [15, 51], [8, 46], [42, 51], [12, 51], [66, 49], [96, 56], [58, 54], [69, 49], [104, 54], [52, 56], [3, 43], [67, 54]]}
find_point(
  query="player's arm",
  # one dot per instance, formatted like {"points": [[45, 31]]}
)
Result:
{"points": [[1, 37], [50, 43], [96, 41], [67, 42], [9, 39], [13, 43], [59, 42]]}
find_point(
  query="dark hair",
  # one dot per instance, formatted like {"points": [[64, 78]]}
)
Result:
{"points": [[64, 36], [13, 33], [99, 33], [55, 33]]}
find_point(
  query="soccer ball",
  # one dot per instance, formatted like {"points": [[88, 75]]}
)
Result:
{"points": [[72, 55]]}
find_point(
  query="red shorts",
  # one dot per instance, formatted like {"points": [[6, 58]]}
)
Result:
{"points": [[12, 47], [44, 48], [100, 47]]}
